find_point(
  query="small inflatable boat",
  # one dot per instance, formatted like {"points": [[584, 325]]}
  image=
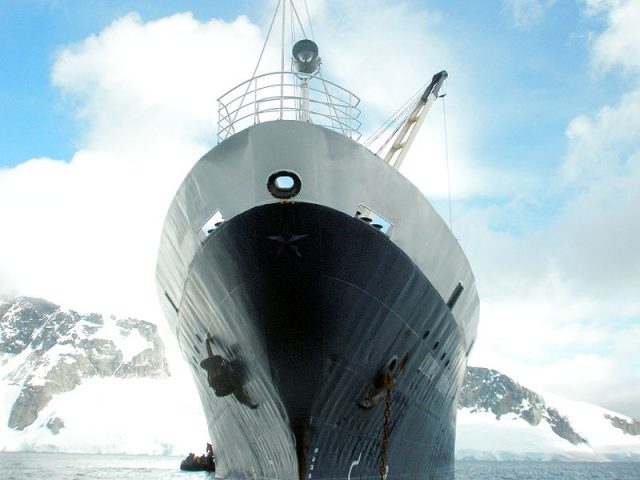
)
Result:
{"points": [[198, 464]]}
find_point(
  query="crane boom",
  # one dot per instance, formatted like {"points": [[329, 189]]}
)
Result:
{"points": [[412, 124]]}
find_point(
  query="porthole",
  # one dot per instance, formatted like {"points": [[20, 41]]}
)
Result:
{"points": [[284, 184]]}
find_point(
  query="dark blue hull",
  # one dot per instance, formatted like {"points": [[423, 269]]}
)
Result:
{"points": [[307, 307]]}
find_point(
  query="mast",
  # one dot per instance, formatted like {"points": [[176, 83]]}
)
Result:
{"points": [[297, 93], [306, 62], [412, 124]]}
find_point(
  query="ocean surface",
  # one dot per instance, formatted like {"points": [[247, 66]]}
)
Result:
{"points": [[56, 466]]}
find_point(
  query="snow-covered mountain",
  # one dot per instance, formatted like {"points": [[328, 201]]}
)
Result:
{"points": [[502, 420], [89, 383]]}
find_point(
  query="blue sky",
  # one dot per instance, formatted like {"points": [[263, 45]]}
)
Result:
{"points": [[535, 98], [541, 104], [31, 33]]}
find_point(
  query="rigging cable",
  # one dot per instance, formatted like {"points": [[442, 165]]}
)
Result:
{"points": [[296, 86], [284, 16], [264, 46], [394, 122], [306, 7], [295, 11], [388, 124]]}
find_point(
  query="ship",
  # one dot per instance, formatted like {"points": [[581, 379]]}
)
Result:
{"points": [[326, 310]]}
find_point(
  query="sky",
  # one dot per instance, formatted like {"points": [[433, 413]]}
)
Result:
{"points": [[106, 105]]}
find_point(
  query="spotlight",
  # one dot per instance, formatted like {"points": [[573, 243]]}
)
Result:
{"points": [[305, 56]]}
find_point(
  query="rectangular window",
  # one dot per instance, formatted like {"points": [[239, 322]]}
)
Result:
{"points": [[210, 225], [374, 219]]}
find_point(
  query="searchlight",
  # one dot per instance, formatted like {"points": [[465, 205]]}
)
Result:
{"points": [[305, 56]]}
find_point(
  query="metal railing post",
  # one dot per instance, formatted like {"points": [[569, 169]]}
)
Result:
{"points": [[328, 105]]}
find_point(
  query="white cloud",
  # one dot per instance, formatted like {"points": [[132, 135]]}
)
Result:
{"points": [[439, 164], [619, 44], [85, 232], [164, 74], [526, 14], [377, 50], [560, 303], [372, 47], [602, 168]]}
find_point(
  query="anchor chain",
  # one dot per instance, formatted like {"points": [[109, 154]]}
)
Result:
{"points": [[386, 426]]}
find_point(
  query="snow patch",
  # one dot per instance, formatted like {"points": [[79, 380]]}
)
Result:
{"points": [[38, 376], [481, 436], [589, 421], [130, 342], [113, 416]]}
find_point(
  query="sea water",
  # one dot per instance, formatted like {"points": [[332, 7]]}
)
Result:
{"points": [[475, 470], [55, 466], [64, 466]]}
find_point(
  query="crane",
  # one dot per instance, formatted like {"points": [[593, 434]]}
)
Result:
{"points": [[414, 121]]}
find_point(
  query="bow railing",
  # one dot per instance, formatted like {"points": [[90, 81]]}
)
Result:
{"points": [[288, 96]]}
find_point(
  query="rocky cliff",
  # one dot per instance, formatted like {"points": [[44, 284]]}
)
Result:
{"points": [[47, 351], [59, 367], [500, 419], [489, 390]]}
